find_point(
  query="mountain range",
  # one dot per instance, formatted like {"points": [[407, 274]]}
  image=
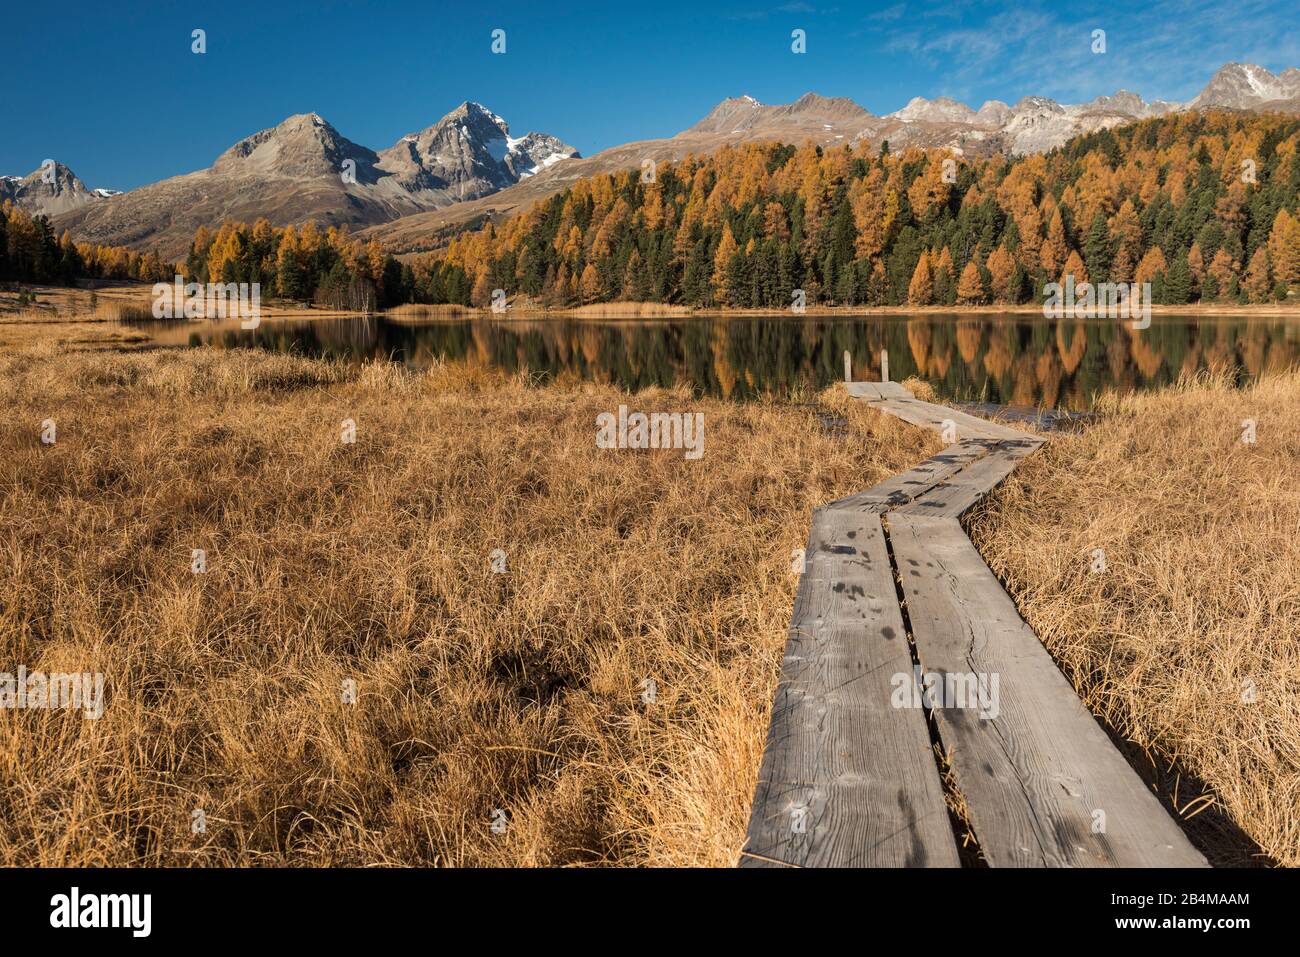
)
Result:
{"points": [[1033, 124], [467, 167], [304, 169]]}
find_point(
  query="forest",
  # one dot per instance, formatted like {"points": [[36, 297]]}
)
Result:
{"points": [[31, 252], [1202, 206], [325, 266], [301, 263]]}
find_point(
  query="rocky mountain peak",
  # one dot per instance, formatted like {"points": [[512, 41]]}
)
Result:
{"points": [[1246, 85], [829, 106], [993, 113], [1037, 104], [471, 151], [301, 145], [1123, 101], [48, 190], [941, 109]]}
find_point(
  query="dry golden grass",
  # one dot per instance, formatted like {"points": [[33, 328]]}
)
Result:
{"points": [[1199, 602], [415, 312], [629, 310], [62, 309], [920, 388], [370, 561]]}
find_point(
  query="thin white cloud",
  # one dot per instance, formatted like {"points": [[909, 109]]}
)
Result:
{"points": [[1164, 50], [889, 13]]}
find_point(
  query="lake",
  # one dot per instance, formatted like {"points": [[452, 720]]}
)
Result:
{"points": [[1013, 359]]}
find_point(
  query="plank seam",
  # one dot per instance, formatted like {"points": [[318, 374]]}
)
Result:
{"points": [[1010, 446], [931, 719]]}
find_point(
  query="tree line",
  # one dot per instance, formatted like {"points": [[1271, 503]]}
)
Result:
{"points": [[1202, 206], [328, 267], [303, 263], [31, 252]]}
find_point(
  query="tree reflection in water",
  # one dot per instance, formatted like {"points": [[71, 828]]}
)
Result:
{"points": [[1010, 359]]}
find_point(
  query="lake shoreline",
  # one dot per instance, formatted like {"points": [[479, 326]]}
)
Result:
{"points": [[137, 295], [623, 310], [445, 466]]}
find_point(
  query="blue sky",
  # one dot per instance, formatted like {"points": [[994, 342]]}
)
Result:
{"points": [[114, 91]]}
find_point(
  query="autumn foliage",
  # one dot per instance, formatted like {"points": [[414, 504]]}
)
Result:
{"points": [[1203, 206], [328, 266], [31, 251]]}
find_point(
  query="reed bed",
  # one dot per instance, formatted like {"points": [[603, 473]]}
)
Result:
{"points": [[1157, 556], [521, 699]]}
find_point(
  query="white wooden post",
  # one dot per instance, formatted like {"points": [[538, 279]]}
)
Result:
{"points": [[884, 365], [848, 366]]}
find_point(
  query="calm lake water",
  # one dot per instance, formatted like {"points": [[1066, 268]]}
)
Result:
{"points": [[1011, 359]]}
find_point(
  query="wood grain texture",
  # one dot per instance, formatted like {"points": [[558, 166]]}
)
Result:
{"points": [[877, 390], [961, 489], [847, 779], [1039, 775], [1044, 784], [916, 481], [931, 416]]}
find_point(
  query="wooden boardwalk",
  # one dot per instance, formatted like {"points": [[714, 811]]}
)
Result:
{"points": [[895, 599]]}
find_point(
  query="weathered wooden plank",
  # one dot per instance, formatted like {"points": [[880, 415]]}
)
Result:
{"points": [[922, 414], [847, 779], [877, 390], [934, 417], [958, 491], [1044, 784], [967, 425], [916, 481]]}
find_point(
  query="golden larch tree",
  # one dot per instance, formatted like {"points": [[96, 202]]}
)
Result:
{"points": [[1224, 270], [1074, 267], [1152, 263], [590, 288], [920, 291], [1001, 266], [1258, 282], [943, 264], [970, 289], [1054, 250], [1284, 247], [727, 250]]}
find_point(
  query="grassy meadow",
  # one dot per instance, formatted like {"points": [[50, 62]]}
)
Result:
{"points": [[369, 566], [1186, 639], [370, 562]]}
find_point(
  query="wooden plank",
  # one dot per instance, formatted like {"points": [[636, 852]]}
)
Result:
{"points": [[960, 490], [931, 416], [916, 481], [1034, 766], [967, 425], [847, 779], [877, 390], [921, 413]]}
